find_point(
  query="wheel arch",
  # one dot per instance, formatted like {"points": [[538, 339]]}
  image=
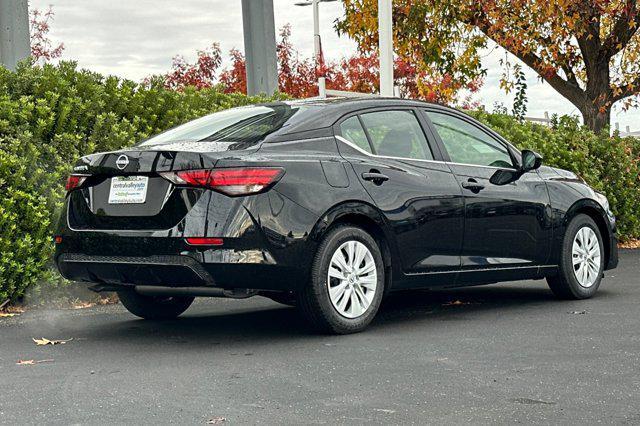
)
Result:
{"points": [[367, 217], [595, 211]]}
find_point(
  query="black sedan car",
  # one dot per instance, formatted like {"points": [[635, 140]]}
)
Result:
{"points": [[327, 205]]}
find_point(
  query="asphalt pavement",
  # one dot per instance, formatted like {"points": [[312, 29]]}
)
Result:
{"points": [[507, 353]]}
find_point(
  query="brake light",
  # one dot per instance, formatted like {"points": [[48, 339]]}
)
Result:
{"points": [[203, 241], [230, 181], [74, 181]]}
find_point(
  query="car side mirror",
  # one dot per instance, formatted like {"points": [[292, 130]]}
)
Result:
{"points": [[505, 176], [531, 160]]}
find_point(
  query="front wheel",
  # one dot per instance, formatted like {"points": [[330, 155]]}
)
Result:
{"points": [[154, 307], [582, 260], [347, 282]]}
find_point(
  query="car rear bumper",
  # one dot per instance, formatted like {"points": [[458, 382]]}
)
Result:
{"points": [[265, 246], [171, 271], [177, 271]]}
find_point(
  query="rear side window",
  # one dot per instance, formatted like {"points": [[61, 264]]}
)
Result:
{"points": [[396, 134], [467, 144], [352, 131]]}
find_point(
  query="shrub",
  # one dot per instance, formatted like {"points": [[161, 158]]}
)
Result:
{"points": [[50, 116]]}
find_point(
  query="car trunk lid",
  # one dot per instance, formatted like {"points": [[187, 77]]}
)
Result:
{"points": [[127, 184]]}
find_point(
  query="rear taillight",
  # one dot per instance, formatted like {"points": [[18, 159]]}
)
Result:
{"points": [[74, 181], [230, 181]]}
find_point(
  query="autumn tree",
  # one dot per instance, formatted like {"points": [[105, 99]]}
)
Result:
{"points": [[42, 48], [200, 74], [587, 50], [298, 75]]}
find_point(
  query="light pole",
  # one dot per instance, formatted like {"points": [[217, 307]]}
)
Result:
{"points": [[14, 32], [385, 38], [317, 44], [259, 46]]}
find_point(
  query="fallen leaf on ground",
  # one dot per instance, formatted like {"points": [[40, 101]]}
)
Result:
{"points": [[83, 305], [43, 342], [456, 303], [631, 244], [384, 410], [529, 401], [216, 420], [32, 362], [5, 315]]}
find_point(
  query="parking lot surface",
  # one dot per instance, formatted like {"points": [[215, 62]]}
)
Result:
{"points": [[505, 353]]}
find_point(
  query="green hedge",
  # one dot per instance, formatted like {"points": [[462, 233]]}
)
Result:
{"points": [[51, 115]]}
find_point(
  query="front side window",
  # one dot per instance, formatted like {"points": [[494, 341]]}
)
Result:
{"points": [[396, 134], [467, 144]]}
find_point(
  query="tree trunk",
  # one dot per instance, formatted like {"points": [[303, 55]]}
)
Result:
{"points": [[596, 108], [596, 117]]}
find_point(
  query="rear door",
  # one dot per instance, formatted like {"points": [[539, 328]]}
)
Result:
{"points": [[507, 223], [418, 195]]}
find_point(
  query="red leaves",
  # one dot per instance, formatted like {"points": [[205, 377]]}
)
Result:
{"points": [[201, 74], [42, 49], [234, 79], [298, 76]]}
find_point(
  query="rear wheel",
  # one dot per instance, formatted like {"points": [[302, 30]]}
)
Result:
{"points": [[582, 261], [347, 282], [154, 307]]}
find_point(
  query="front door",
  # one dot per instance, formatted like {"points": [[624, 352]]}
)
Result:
{"points": [[507, 223], [419, 197]]}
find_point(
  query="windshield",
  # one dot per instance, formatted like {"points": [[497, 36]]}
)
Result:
{"points": [[243, 126]]}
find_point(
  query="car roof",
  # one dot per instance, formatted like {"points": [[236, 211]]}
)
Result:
{"points": [[362, 102], [324, 113]]}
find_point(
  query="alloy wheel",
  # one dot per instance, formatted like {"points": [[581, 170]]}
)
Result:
{"points": [[352, 279], [585, 255]]}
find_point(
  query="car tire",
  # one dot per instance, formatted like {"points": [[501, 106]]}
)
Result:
{"points": [[578, 277], [346, 298], [154, 307]]}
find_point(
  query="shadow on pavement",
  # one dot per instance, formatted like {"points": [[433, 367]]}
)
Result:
{"points": [[266, 322]]}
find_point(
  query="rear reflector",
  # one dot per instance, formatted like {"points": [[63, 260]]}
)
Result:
{"points": [[74, 181], [230, 181], [202, 241]]}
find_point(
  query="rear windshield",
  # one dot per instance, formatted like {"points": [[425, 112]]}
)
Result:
{"points": [[244, 126]]}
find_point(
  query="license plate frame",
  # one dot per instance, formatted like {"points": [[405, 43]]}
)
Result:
{"points": [[128, 189]]}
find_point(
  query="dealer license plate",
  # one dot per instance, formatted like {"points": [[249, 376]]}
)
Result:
{"points": [[128, 189]]}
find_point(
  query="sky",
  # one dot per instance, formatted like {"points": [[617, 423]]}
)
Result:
{"points": [[137, 38]]}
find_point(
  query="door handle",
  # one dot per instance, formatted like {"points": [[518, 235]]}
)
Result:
{"points": [[375, 177], [472, 185]]}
